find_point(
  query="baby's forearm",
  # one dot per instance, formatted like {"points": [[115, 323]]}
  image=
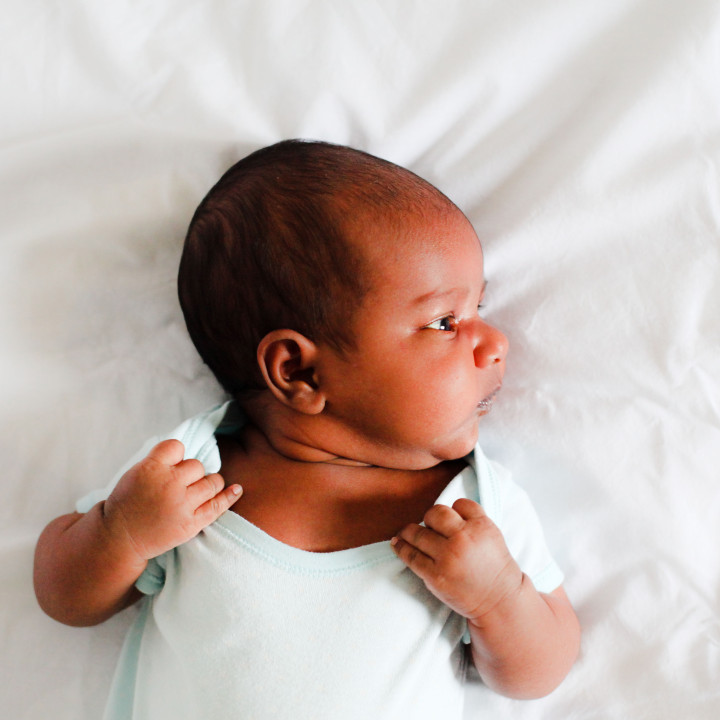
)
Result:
{"points": [[527, 645], [84, 573]]}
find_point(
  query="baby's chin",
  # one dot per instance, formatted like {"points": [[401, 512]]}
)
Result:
{"points": [[460, 447], [417, 457], [414, 460]]}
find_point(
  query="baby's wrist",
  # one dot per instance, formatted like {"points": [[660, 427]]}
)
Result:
{"points": [[504, 608], [119, 541]]}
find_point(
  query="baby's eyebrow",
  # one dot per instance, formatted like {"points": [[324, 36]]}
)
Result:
{"points": [[439, 294], [435, 295]]}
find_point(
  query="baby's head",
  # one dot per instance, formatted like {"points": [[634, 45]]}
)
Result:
{"points": [[349, 289], [279, 242]]}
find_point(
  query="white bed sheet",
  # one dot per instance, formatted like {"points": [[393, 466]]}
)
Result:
{"points": [[582, 138]]}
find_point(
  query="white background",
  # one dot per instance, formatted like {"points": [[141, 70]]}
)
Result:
{"points": [[582, 139]]}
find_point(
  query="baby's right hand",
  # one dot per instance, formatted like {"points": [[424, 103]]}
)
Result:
{"points": [[164, 501]]}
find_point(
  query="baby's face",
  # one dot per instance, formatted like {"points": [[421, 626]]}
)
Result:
{"points": [[426, 366]]}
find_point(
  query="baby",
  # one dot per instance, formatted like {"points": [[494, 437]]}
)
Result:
{"points": [[358, 550]]}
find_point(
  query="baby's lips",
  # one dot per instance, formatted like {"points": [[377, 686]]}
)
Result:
{"points": [[491, 396], [485, 405]]}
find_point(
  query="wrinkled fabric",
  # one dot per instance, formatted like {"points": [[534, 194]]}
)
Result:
{"points": [[580, 138]]}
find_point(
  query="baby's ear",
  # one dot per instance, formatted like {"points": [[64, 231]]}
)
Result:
{"points": [[287, 362]]}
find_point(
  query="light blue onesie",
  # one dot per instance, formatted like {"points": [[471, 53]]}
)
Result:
{"points": [[236, 624]]}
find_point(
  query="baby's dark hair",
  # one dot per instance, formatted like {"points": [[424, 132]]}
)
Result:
{"points": [[268, 248]]}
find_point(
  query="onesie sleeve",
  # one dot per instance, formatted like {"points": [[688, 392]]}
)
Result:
{"points": [[198, 437], [93, 498], [523, 533], [196, 434], [509, 507], [152, 580], [153, 577]]}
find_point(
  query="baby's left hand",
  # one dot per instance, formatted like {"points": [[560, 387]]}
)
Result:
{"points": [[461, 556]]}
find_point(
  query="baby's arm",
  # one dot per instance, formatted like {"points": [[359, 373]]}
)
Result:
{"points": [[86, 565], [523, 642]]}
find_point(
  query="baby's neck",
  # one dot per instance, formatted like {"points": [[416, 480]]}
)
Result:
{"points": [[316, 466], [290, 448], [327, 504]]}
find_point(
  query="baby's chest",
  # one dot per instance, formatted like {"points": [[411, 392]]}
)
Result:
{"points": [[327, 524]]}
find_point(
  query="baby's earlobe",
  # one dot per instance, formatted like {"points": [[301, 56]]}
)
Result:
{"points": [[308, 400]]}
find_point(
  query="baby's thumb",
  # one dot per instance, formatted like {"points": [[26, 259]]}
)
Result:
{"points": [[168, 452]]}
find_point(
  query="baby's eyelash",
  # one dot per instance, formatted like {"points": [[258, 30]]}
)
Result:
{"points": [[447, 323]]}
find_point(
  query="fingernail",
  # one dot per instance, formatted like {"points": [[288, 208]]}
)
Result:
{"points": [[393, 541], [237, 490]]}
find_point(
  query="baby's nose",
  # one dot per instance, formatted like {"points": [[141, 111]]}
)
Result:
{"points": [[492, 346]]}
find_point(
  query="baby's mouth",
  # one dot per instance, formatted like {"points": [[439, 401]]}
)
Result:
{"points": [[485, 405]]}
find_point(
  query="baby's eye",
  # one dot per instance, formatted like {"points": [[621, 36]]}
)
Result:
{"points": [[447, 324]]}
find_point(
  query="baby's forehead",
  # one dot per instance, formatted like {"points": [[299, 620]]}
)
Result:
{"points": [[408, 242], [405, 226]]}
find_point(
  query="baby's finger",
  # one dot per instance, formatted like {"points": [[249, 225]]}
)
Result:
{"points": [[205, 488], [427, 541], [168, 452], [444, 520], [211, 510], [469, 509], [189, 471], [417, 561]]}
